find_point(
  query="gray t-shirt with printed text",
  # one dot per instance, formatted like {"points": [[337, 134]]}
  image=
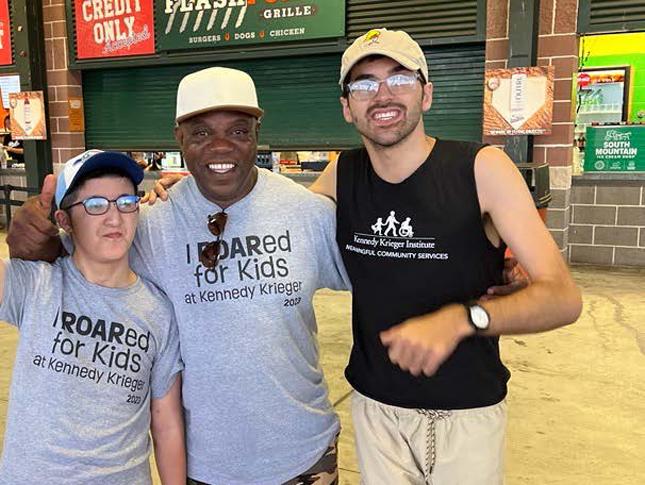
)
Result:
{"points": [[256, 403], [89, 360]]}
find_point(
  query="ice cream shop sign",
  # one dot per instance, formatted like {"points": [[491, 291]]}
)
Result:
{"points": [[114, 28], [615, 148]]}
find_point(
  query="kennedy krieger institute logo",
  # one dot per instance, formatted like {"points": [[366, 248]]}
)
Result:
{"points": [[390, 226], [393, 236]]}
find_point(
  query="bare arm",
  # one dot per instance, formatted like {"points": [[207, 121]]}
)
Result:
{"points": [[552, 299], [32, 236], [326, 183], [167, 429]]}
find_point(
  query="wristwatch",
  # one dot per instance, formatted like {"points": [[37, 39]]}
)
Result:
{"points": [[478, 317]]}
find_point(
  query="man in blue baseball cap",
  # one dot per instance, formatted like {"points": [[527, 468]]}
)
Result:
{"points": [[98, 361]]}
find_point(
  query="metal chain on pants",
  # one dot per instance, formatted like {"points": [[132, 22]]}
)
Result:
{"points": [[431, 439]]}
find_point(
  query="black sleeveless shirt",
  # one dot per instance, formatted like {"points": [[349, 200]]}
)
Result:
{"points": [[410, 248]]}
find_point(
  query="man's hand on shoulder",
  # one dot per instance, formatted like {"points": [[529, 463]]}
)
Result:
{"points": [[515, 279], [32, 235], [161, 188]]}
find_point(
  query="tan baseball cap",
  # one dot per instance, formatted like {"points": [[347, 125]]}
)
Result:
{"points": [[216, 88], [395, 44]]}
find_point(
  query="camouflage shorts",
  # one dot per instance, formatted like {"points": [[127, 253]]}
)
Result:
{"points": [[324, 471]]}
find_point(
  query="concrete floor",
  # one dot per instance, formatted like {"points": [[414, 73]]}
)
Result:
{"points": [[577, 398]]}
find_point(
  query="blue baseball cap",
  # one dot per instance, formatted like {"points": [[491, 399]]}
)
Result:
{"points": [[90, 161]]}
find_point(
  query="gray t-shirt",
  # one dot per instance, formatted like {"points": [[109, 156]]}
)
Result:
{"points": [[89, 360], [255, 400]]}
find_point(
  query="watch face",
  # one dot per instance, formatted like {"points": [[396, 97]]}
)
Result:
{"points": [[479, 317]]}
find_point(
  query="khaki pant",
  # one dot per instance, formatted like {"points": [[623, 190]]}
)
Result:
{"points": [[400, 446]]}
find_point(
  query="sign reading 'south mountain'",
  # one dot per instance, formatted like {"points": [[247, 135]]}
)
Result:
{"points": [[198, 24], [615, 149]]}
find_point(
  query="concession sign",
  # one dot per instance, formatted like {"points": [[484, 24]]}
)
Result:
{"points": [[114, 28], [194, 24]]}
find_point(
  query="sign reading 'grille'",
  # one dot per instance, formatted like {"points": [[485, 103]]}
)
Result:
{"points": [[194, 24]]}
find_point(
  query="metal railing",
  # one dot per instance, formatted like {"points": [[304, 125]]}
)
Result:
{"points": [[7, 201]]}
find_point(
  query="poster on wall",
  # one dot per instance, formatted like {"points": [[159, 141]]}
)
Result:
{"points": [[9, 83], [194, 24], [518, 101], [6, 54], [28, 115], [75, 114], [114, 28]]}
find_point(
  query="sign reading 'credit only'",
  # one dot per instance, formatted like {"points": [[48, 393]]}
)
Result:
{"points": [[114, 28], [194, 24]]}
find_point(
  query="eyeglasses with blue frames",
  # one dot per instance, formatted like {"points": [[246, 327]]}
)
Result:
{"points": [[97, 205], [364, 89]]}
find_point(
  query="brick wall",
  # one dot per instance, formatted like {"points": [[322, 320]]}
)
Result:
{"points": [[557, 47], [497, 35], [62, 83], [608, 222]]}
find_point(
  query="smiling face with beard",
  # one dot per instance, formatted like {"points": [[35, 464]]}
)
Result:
{"points": [[386, 119]]}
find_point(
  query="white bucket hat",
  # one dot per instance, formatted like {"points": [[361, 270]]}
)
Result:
{"points": [[216, 88]]}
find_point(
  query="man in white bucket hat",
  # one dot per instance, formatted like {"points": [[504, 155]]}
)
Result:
{"points": [[256, 403], [241, 272]]}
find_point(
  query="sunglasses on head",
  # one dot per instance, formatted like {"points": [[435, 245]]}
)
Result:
{"points": [[209, 255]]}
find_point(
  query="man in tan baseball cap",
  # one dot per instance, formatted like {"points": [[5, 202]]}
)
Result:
{"points": [[429, 405]]}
